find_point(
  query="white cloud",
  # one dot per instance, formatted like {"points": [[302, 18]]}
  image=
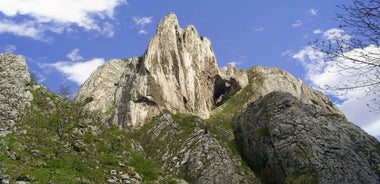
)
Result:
{"points": [[336, 34], [108, 30], [287, 53], [297, 23], [74, 55], [322, 72], [26, 29], [37, 16], [143, 32], [313, 11], [142, 21], [9, 48], [318, 31], [257, 29], [78, 72], [76, 69]]}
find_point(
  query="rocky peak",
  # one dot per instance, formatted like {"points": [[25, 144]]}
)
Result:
{"points": [[177, 74]]}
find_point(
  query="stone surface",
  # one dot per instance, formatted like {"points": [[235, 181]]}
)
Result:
{"points": [[15, 96], [183, 146], [286, 140], [99, 90], [265, 80], [178, 73]]}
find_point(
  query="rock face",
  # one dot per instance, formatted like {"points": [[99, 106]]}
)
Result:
{"points": [[265, 80], [183, 146], [14, 89], [178, 73], [100, 89], [286, 140]]}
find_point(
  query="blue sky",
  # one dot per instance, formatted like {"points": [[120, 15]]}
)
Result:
{"points": [[65, 40]]}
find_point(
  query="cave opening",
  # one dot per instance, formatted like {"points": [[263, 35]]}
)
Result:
{"points": [[224, 89]]}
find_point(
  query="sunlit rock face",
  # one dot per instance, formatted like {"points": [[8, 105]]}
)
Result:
{"points": [[179, 73]]}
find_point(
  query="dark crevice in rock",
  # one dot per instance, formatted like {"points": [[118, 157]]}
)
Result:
{"points": [[146, 100], [223, 89]]}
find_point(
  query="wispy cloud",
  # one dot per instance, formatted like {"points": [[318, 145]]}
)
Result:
{"points": [[317, 31], [25, 29], [74, 55], [297, 23], [287, 53], [336, 34], [257, 29], [34, 18], [313, 12], [9, 48], [141, 22], [143, 32]]}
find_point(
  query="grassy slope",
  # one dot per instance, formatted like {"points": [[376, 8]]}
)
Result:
{"points": [[58, 142]]}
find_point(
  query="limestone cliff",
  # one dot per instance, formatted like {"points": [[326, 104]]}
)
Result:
{"points": [[179, 73], [100, 90], [14, 90]]}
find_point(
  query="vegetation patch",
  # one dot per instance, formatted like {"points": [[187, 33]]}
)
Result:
{"points": [[59, 142]]}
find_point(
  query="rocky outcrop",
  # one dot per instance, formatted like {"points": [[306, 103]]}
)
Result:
{"points": [[265, 80], [286, 140], [177, 73], [183, 146], [99, 90], [14, 90]]}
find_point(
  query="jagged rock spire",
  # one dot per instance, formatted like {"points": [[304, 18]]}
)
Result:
{"points": [[176, 74]]}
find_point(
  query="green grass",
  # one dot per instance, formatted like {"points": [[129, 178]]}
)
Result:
{"points": [[46, 149], [144, 166]]}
